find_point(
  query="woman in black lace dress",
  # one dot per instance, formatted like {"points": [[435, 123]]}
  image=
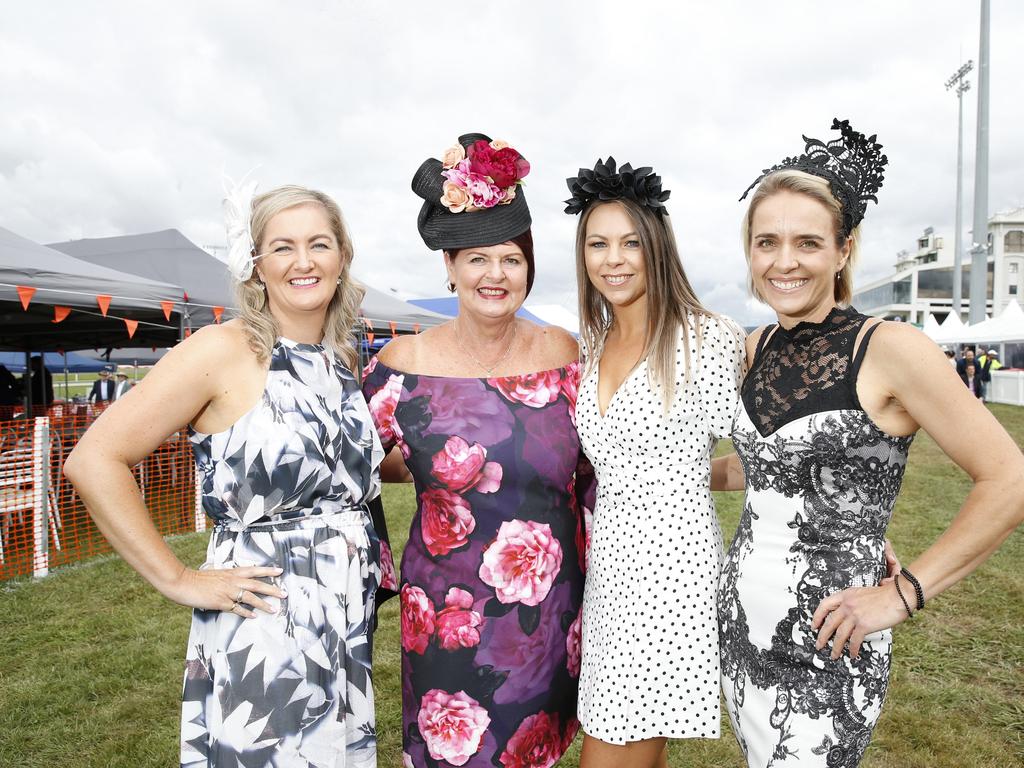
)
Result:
{"points": [[822, 438]]}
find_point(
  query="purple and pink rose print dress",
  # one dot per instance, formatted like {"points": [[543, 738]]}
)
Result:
{"points": [[492, 575]]}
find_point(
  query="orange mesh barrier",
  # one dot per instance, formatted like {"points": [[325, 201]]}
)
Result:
{"points": [[43, 522]]}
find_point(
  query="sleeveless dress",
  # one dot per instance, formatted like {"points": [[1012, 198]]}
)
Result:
{"points": [[650, 637], [287, 486], [821, 482], [492, 574]]}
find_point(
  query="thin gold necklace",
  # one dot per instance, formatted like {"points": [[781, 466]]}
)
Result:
{"points": [[488, 370]]}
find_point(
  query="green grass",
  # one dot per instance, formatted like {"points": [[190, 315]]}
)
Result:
{"points": [[91, 657]]}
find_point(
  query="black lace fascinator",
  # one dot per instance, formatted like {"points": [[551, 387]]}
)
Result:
{"points": [[853, 165], [642, 186]]}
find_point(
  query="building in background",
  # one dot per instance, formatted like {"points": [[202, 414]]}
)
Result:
{"points": [[922, 282]]}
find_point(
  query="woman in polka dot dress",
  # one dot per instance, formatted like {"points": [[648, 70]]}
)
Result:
{"points": [[658, 391]]}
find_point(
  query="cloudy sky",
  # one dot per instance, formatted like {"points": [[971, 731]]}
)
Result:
{"points": [[120, 117]]}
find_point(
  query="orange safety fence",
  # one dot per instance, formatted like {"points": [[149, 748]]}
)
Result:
{"points": [[43, 522]]}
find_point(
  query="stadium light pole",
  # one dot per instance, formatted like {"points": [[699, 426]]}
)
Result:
{"points": [[960, 82], [979, 249]]}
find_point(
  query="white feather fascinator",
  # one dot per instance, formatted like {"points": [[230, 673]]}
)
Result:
{"points": [[238, 220]]}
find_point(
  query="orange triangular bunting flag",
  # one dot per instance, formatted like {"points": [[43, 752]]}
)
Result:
{"points": [[369, 338], [394, 329], [59, 313], [131, 325], [167, 307], [25, 293], [415, 327], [104, 301], [188, 332], [369, 325], [217, 312]]}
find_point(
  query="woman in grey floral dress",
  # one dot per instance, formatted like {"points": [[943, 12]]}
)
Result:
{"points": [[278, 662]]}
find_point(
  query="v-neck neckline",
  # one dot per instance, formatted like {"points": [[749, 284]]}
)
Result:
{"points": [[618, 389]]}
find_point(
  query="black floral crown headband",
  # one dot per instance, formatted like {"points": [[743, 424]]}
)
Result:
{"points": [[852, 165], [642, 186]]}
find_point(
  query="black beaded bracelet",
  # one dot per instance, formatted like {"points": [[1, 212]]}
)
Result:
{"points": [[899, 592], [917, 587]]}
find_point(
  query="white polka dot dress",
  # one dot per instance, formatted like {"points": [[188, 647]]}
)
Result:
{"points": [[650, 633]]}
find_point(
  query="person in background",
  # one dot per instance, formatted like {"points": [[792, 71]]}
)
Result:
{"points": [[967, 356], [103, 388], [122, 386], [987, 363], [950, 356], [10, 393], [972, 378], [42, 384]]}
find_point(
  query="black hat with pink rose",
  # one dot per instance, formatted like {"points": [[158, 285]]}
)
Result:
{"points": [[473, 195]]}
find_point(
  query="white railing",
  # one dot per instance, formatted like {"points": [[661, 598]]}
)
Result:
{"points": [[1006, 387]]}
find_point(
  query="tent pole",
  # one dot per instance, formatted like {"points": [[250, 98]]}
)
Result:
{"points": [[65, 356], [28, 383]]}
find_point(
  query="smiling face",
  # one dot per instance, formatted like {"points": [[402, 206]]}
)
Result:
{"points": [[490, 280], [300, 261], [794, 257], [613, 255]]}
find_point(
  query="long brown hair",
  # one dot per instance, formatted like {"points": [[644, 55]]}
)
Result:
{"points": [[672, 305], [254, 311]]}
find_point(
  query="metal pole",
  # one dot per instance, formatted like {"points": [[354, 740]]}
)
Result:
{"points": [[979, 249], [959, 81], [27, 378]]}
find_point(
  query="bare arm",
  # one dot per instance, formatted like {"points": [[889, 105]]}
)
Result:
{"points": [[905, 366], [182, 385], [727, 473], [393, 469]]}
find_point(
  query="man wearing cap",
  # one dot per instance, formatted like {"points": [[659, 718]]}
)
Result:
{"points": [[103, 388], [122, 385], [987, 363]]}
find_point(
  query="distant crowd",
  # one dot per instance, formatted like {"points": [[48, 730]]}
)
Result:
{"points": [[975, 369]]}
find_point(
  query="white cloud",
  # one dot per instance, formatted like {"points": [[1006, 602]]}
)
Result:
{"points": [[121, 120]]}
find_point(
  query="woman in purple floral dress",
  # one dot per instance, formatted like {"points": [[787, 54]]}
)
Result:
{"points": [[482, 410]]}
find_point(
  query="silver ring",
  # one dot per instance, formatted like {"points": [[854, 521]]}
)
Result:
{"points": [[238, 599]]}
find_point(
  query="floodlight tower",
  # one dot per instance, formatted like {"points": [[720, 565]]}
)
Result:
{"points": [[980, 248], [961, 84]]}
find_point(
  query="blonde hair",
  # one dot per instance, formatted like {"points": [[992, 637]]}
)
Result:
{"points": [[670, 298], [260, 325], [817, 189]]}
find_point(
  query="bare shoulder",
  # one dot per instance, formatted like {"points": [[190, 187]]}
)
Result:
{"points": [[753, 338], [211, 345], [898, 343], [405, 353], [561, 347]]}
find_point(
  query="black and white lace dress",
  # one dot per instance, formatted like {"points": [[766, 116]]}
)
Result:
{"points": [[821, 482]]}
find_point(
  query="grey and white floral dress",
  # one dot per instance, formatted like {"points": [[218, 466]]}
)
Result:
{"points": [[288, 486]]}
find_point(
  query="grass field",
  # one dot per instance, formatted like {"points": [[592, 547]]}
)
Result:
{"points": [[91, 657]]}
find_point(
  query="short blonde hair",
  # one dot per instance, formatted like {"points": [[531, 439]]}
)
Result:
{"points": [[817, 189], [261, 326]]}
